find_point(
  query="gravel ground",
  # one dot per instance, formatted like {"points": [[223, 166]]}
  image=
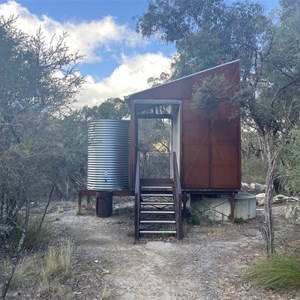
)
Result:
{"points": [[208, 263]]}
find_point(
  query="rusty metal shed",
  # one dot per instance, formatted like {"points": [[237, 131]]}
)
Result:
{"points": [[201, 155], [207, 150]]}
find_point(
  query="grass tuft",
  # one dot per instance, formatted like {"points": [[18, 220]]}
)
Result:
{"points": [[279, 273], [25, 272], [106, 294], [56, 269], [47, 274], [58, 262]]}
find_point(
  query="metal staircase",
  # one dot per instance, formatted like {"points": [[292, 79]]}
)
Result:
{"points": [[158, 208]]}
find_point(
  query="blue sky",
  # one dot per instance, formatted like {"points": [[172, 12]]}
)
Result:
{"points": [[118, 61], [78, 11]]}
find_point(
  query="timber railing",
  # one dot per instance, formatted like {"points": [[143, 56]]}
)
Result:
{"points": [[177, 198], [137, 200]]}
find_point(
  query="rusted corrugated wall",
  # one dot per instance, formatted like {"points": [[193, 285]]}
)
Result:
{"points": [[210, 150], [211, 147]]}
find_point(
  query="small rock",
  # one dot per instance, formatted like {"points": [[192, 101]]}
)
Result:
{"points": [[77, 293], [260, 198], [245, 186], [282, 198], [257, 187], [60, 210]]}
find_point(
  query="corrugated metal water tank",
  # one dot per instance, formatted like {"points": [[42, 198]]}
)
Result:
{"points": [[245, 206], [218, 208], [108, 155]]}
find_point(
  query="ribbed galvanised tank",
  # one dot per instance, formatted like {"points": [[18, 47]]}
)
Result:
{"points": [[108, 155]]}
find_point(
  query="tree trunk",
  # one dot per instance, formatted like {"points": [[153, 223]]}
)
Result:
{"points": [[267, 230]]}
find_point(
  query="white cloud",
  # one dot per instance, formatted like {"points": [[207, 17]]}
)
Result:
{"points": [[130, 77], [84, 36], [90, 38]]}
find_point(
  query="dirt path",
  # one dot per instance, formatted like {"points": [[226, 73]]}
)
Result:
{"points": [[206, 264]]}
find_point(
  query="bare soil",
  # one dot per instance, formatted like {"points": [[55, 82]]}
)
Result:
{"points": [[208, 263]]}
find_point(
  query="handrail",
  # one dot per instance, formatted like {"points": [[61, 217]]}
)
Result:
{"points": [[137, 200], [177, 198]]}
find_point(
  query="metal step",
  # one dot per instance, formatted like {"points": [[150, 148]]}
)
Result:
{"points": [[163, 212], [158, 231], [156, 203], [157, 188], [156, 195], [156, 222]]}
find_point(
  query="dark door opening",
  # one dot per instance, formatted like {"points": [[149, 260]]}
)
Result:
{"points": [[157, 137], [154, 147]]}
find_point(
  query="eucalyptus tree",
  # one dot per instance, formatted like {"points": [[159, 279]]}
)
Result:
{"points": [[112, 108], [289, 169], [38, 82], [269, 100], [208, 31]]}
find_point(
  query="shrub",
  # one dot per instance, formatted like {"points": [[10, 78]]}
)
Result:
{"points": [[47, 274], [35, 238], [281, 272]]}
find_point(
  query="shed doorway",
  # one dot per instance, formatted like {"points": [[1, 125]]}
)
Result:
{"points": [[154, 147], [157, 137]]}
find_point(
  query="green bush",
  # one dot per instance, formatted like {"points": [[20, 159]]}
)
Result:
{"points": [[254, 170], [281, 272], [34, 238]]}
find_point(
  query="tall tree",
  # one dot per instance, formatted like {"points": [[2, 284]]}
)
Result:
{"points": [[38, 82], [277, 111], [289, 170], [207, 31], [112, 108], [269, 100]]}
